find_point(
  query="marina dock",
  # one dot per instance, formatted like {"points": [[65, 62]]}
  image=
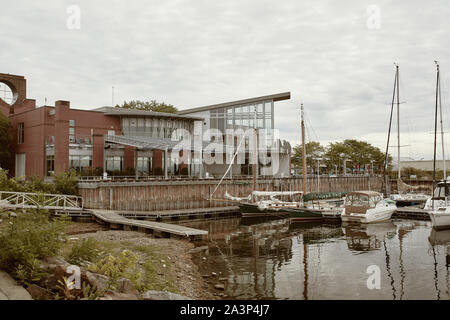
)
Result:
{"points": [[159, 229], [411, 213]]}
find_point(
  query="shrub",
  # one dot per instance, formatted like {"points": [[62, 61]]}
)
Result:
{"points": [[7, 184], [84, 251], [66, 182], [29, 237]]}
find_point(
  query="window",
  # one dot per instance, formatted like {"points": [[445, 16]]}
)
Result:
{"points": [[80, 163], [144, 164], [50, 165], [21, 133], [71, 135], [114, 164], [72, 123]]}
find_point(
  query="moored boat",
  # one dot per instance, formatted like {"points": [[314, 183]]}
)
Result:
{"points": [[367, 207]]}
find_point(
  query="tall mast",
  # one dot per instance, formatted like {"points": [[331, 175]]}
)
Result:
{"points": [[386, 156], [442, 126], [255, 155], [398, 121], [435, 130], [303, 150]]}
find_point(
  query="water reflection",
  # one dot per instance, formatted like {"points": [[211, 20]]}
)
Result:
{"points": [[278, 259]]}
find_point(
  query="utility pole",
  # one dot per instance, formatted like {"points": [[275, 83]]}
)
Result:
{"points": [[303, 150], [440, 110]]}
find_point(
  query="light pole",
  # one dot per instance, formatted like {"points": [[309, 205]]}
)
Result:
{"points": [[345, 166], [371, 165], [318, 173]]}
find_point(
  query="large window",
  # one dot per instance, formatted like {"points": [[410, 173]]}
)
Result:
{"points": [[80, 163], [114, 163], [144, 165], [21, 133], [50, 165]]}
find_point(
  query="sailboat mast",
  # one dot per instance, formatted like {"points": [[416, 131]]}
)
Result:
{"points": [[255, 155], [442, 126], [398, 121], [303, 151], [435, 131]]}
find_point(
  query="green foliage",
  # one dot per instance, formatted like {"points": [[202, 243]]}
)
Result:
{"points": [[313, 151], [66, 182], [7, 184], [82, 252], [357, 152], [151, 105], [5, 141], [29, 237], [119, 266]]}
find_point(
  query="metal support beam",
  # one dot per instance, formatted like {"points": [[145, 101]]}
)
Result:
{"points": [[165, 163]]}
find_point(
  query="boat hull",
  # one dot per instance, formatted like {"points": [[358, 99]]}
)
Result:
{"points": [[296, 214], [440, 220], [369, 217]]}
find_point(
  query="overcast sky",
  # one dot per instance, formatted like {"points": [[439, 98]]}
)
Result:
{"points": [[334, 56]]}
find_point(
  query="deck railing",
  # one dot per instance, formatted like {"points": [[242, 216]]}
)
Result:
{"points": [[29, 200]]}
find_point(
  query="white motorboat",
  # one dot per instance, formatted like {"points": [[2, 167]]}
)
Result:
{"points": [[367, 207], [438, 206]]}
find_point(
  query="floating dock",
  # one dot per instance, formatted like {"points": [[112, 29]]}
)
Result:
{"points": [[158, 229], [411, 213]]}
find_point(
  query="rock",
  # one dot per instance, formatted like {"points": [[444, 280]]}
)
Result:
{"points": [[206, 276], [203, 258], [223, 279], [49, 264], [213, 274], [126, 286], [219, 286], [162, 261], [95, 280], [119, 296], [162, 295], [13, 214], [164, 265], [39, 293]]}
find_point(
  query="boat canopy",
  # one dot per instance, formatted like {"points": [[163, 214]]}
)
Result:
{"points": [[323, 195], [360, 201]]}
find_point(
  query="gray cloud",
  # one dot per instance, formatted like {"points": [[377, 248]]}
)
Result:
{"points": [[193, 53]]}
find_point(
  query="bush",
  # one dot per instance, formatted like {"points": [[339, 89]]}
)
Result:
{"points": [[7, 184], [84, 251], [66, 183], [29, 237]]}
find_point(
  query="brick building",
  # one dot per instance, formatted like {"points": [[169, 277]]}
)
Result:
{"points": [[49, 139]]}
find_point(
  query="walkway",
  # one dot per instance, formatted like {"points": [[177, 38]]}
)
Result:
{"points": [[10, 290], [117, 221]]}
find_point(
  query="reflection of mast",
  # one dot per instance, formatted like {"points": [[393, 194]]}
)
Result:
{"points": [[388, 268], [402, 269], [255, 261], [436, 278], [305, 270]]}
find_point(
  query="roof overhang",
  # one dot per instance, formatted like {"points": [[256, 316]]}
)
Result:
{"points": [[274, 97]]}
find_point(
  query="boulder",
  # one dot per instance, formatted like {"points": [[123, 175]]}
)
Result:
{"points": [[219, 286], [39, 293], [126, 286], [95, 280], [162, 295], [119, 296]]}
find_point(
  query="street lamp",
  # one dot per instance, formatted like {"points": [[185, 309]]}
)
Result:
{"points": [[345, 166], [371, 165], [318, 173]]}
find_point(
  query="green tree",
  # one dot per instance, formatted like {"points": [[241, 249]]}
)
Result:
{"points": [[5, 141], [359, 153], [151, 105], [313, 150]]}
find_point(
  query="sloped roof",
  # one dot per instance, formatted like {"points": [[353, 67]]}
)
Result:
{"points": [[112, 111]]}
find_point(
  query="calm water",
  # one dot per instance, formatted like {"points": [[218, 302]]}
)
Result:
{"points": [[282, 260]]}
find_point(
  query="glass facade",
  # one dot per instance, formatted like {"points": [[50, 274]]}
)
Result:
{"points": [[159, 128], [243, 117], [144, 165]]}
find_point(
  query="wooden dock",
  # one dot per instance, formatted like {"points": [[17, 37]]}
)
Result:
{"points": [[159, 229], [198, 213], [411, 213]]}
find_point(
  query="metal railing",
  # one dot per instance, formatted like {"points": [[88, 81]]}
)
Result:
{"points": [[29, 200]]}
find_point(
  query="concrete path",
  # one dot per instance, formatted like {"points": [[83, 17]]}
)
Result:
{"points": [[10, 290]]}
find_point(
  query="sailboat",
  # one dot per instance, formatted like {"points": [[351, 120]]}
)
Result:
{"points": [[438, 206], [404, 197]]}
